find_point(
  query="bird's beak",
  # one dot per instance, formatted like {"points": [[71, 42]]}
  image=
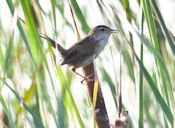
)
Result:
{"points": [[114, 31]]}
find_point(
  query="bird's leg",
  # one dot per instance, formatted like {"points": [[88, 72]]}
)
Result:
{"points": [[74, 70], [87, 78]]}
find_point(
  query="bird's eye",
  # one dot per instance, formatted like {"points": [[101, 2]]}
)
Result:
{"points": [[102, 29]]}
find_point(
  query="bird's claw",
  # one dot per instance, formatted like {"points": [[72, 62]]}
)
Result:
{"points": [[88, 79]]}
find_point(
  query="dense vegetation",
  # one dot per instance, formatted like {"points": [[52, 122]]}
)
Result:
{"points": [[37, 92]]}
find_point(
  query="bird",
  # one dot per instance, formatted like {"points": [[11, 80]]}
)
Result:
{"points": [[85, 51]]}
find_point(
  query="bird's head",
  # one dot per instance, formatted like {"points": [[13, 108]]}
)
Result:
{"points": [[102, 32]]}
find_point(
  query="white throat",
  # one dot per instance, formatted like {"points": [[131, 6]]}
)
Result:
{"points": [[101, 43]]}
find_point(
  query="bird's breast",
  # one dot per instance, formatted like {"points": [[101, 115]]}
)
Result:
{"points": [[100, 46]]}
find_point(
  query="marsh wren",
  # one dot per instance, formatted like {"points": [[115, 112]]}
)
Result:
{"points": [[86, 50]]}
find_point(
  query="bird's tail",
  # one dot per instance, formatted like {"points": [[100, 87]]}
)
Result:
{"points": [[53, 44]]}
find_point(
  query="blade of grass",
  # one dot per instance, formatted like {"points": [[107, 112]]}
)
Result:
{"points": [[95, 94], [11, 7], [35, 118], [156, 92], [160, 75], [145, 41], [39, 56], [141, 91], [61, 112], [108, 80], [34, 40], [126, 55], [2, 59], [60, 7], [164, 28], [64, 87], [75, 24], [53, 3], [8, 53], [79, 14], [7, 111]]}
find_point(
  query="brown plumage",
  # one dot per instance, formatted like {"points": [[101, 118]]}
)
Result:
{"points": [[86, 50]]}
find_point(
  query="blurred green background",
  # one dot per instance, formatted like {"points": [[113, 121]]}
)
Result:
{"points": [[37, 92]]}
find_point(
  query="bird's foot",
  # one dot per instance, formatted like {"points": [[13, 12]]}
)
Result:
{"points": [[90, 78], [87, 79]]}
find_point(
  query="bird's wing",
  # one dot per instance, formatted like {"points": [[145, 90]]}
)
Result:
{"points": [[80, 51]]}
